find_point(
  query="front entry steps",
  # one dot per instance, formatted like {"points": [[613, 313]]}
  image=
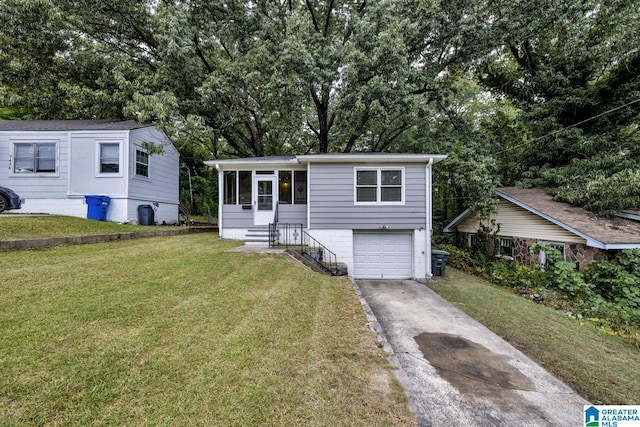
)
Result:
{"points": [[257, 235]]}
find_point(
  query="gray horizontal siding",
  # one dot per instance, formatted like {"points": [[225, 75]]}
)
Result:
{"points": [[233, 216], [293, 214], [332, 200]]}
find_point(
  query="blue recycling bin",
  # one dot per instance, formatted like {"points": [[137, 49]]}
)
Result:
{"points": [[97, 207]]}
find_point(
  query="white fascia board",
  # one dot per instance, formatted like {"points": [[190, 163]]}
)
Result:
{"points": [[451, 227], [590, 240], [612, 246], [633, 217], [237, 164], [371, 158]]}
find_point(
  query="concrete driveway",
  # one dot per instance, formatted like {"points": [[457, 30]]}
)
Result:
{"points": [[459, 373]]}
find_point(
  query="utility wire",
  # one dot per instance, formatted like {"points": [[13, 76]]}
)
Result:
{"points": [[571, 126]]}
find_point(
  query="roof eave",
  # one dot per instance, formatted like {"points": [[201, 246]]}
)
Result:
{"points": [[451, 227], [244, 163], [369, 158]]}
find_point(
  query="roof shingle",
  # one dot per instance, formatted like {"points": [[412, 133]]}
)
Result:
{"points": [[606, 230], [68, 125]]}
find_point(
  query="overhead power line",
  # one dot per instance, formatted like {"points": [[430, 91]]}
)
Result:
{"points": [[573, 125]]}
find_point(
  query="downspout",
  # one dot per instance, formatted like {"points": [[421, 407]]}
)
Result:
{"points": [[220, 195], [429, 222], [309, 196]]}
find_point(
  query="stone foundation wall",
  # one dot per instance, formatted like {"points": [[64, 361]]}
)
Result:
{"points": [[579, 253], [583, 255], [521, 250]]}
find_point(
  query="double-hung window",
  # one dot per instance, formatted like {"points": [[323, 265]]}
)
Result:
{"points": [[109, 157], [142, 163], [34, 157], [379, 186]]}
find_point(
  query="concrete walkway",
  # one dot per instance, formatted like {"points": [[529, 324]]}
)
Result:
{"points": [[459, 373]]}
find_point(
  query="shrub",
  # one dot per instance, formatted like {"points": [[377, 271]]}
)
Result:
{"points": [[512, 274], [607, 293]]}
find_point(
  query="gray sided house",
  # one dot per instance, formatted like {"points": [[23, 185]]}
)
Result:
{"points": [[54, 164], [528, 216], [373, 210]]}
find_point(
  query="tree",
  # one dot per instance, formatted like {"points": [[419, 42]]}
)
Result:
{"points": [[569, 78]]}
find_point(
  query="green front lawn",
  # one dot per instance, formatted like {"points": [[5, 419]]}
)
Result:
{"points": [[177, 331], [31, 227]]}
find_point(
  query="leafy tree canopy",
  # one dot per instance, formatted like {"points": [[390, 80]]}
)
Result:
{"points": [[531, 93]]}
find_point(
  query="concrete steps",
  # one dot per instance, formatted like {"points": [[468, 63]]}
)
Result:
{"points": [[257, 235]]}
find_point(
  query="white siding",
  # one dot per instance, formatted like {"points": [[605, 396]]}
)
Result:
{"points": [[518, 222], [162, 185], [78, 174], [161, 188], [85, 178], [35, 186]]}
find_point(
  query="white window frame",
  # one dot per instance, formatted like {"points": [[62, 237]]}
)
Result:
{"points": [[379, 186], [135, 163], [542, 256], [54, 142], [98, 146]]}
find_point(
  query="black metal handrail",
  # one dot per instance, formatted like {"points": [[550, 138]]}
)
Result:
{"points": [[316, 251], [285, 235], [273, 228], [293, 236]]}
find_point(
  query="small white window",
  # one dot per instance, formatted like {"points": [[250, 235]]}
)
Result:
{"points": [[109, 157], [142, 163], [379, 186], [544, 259]]}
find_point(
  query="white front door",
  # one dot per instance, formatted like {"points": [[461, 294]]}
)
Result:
{"points": [[265, 201]]}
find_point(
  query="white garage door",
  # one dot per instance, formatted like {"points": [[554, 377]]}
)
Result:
{"points": [[382, 256]]}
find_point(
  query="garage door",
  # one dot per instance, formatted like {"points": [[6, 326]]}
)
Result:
{"points": [[382, 256]]}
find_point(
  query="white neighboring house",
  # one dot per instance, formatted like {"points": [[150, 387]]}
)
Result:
{"points": [[373, 210], [54, 164]]}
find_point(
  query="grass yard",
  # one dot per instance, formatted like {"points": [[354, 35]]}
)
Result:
{"points": [[31, 227], [601, 368], [177, 331]]}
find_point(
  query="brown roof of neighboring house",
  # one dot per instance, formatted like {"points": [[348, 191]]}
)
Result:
{"points": [[68, 125], [610, 232]]}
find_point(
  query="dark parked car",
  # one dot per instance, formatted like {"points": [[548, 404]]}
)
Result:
{"points": [[9, 199]]}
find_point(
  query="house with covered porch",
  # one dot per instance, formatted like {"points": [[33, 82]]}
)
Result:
{"points": [[372, 210]]}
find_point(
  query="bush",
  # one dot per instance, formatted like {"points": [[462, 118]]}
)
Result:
{"points": [[607, 293], [512, 274]]}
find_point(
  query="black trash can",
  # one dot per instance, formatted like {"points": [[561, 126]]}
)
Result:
{"points": [[145, 215], [438, 262]]}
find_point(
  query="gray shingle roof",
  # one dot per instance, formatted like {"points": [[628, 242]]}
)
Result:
{"points": [[68, 125], [609, 231]]}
